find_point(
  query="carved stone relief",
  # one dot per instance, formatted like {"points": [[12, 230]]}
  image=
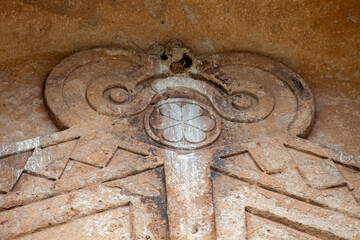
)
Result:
{"points": [[167, 145]]}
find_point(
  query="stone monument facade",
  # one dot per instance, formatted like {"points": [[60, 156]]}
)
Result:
{"points": [[167, 145]]}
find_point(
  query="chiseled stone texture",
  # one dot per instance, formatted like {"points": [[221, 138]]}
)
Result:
{"points": [[319, 40], [301, 190]]}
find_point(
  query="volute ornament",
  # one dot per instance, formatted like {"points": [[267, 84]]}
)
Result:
{"points": [[181, 147]]}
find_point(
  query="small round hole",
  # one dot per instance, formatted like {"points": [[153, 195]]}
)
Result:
{"points": [[164, 57], [187, 61]]}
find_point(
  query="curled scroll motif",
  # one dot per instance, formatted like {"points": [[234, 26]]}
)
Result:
{"points": [[98, 81], [257, 106], [95, 86], [249, 103], [211, 68], [108, 96]]}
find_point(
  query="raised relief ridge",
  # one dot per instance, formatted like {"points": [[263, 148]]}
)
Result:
{"points": [[220, 133]]}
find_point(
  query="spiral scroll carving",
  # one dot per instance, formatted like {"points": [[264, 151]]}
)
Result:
{"points": [[100, 85]]}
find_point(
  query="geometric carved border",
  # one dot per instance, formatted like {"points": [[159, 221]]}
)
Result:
{"points": [[38, 218], [233, 205], [192, 120]]}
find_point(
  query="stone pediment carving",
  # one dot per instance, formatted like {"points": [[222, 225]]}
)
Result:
{"points": [[177, 146]]}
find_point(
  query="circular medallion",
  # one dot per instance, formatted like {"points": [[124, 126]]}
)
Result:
{"points": [[182, 123]]}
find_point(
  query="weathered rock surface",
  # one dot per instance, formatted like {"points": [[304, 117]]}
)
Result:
{"points": [[170, 145]]}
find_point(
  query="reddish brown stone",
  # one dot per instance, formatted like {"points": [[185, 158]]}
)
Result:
{"points": [[169, 145]]}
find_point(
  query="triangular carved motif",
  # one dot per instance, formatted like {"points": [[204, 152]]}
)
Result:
{"points": [[262, 228], [50, 162], [192, 144]]}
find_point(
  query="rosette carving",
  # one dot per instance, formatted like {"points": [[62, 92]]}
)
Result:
{"points": [[182, 123]]}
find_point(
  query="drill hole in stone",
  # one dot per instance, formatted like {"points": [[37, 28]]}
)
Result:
{"points": [[181, 66], [164, 57], [195, 228]]}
